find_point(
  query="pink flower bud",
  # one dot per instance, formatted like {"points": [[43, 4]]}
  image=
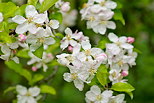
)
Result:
{"points": [[49, 55], [130, 39], [70, 49], [124, 73], [101, 57], [22, 37], [65, 7], [34, 69]]}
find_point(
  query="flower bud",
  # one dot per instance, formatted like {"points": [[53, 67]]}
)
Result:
{"points": [[34, 69], [124, 73], [130, 39], [49, 55], [101, 57], [22, 37], [70, 49], [65, 7]]}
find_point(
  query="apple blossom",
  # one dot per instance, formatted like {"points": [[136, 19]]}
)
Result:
{"points": [[1, 17]]}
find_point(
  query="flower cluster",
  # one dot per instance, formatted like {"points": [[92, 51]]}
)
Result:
{"points": [[120, 56], [27, 95], [83, 61], [98, 13], [96, 96]]}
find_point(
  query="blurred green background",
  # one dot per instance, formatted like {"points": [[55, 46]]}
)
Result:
{"points": [[139, 17]]}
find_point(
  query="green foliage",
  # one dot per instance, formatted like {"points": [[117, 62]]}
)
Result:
{"points": [[102, 43], [122, 87], [32, 2], [9, 89], [19, 69], [21, 10], [47, 89], [47, 4], [8, 9], [57, 16], [102, 75], [118, 16], [36, 78], [23, 53], [39, 52]]}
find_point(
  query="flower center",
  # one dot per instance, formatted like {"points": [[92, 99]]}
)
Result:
{"points": [[120, 63], [91, 18], [102, 3], [99, 98], [30, 19], [88, 52], [92, 71], [41, 40], [103, 22], [73, 76], [28, 94]]}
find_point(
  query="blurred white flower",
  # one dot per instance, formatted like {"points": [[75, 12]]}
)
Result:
{"points": [[1, 17]]}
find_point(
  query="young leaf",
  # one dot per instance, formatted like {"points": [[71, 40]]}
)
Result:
{"points": [[102, 75], [19, 69], [36, 78], [32, 2], [130, 94], [47, 89], [118, 16], [122, 87], [39, 52], [57, 16], [102, 43], [23, 53], [47, 4], [9, 89]]}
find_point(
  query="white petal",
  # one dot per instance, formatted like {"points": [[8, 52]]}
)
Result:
{"points": [[90, 96], [96, 90], [22, 28], [111, 4], [33, 47], [123, 39], [112, 37], [68, 31], [64, 44], [96, 51], [73, 43], [111, 25], [102, 29], [54, 24], [126, 46], [14, 45], [79, 84], [18, 19], [30, 11], [107, 93], [32, 28], [5, 49], [21, 89], [86, 45], [31, 100], [31, 39], [49, 41], [1, 17], [34, 91], [15, 59], [67, 77], [40, 18]]}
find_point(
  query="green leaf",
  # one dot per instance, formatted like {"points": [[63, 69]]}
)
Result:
{"points": [[21, 10], [137, 50], [123, 87], [9, 89], [5, 38], [56, 15], [19, 69], [8, 9], [130, 94], [39, 52], [47, 89], [102, 43], [23, 53], [36, 78], [118, 16], [47, 4], [32, 2], [102, 75]]}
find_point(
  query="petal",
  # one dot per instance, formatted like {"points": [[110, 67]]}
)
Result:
{"points": [[1, 17], [40, 18], [96, 51], [54, 24], [21, 89], [34, 91], [96, 90], [107, 93], [14, 45], [33, 47], [67, 77], [31, 39], [68, 31], [30, 11], [73, 43], [102, 29], [111, 4], [86, 45], [49, 41], [64, 44], [15, 59], [126, 46], [112, 37], [111, 25], [79, 84], [123, 39], [91, 96], [31, 100], [32, 28], [18, 19], [5, 49], [22, 28]]}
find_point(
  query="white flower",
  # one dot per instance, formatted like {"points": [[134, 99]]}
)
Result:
{"points": [[54, 24], [78, 76], [107, 3], [30, 22], [27, 95], [68, 39], [1, 17], [95, 95], [117, 99], [121, 41], [40, 38]]}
